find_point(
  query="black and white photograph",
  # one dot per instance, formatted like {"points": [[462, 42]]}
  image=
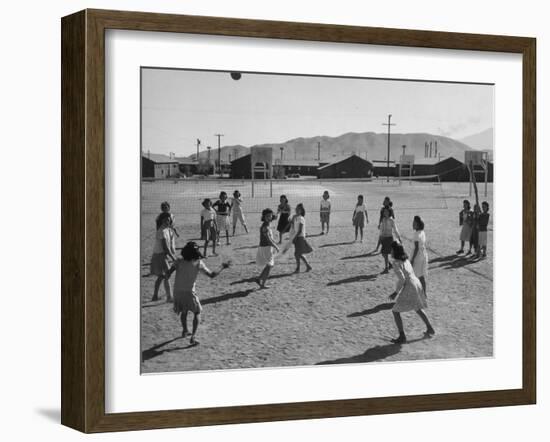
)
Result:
{"points": [[293, 220]]}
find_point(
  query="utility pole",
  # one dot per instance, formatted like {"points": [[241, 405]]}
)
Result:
{"points": [[209, 148], [389, 124], [318, 151], [198, 144], [219, 153]]}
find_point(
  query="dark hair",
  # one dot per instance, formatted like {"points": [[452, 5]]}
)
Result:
{"points": [[326, 193], [165, 204], [191, 251], [485, 204], [266, 212], [161, 218], [205, 201], [360, 197], [467, 202], [419, 222], [301, 209], [236, 194], [284, 196], [222, 194], [399, 251]]}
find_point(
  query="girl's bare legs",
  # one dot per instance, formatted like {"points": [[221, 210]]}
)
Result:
{"points": [[157, 287], [461, 250], [308, 267], [263, 276], [196, 322], [423, 282], [183, 319], [227, 236], [386, 263], [328, 225], [297, 264], [356, 232], [168, 289], [234, 227], [429, 329], [399, 323], [361, 230]]}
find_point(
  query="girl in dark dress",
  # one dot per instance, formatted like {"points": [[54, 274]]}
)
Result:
{"points": [[283, 213]]}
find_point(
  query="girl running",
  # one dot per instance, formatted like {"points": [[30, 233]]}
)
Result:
{"points": [[185, 297], [223, 211], [408, 294], [359, 216], [324, 211], [265, 255], [164, 252], [283, 213], [419, 258], [387, 230], [237, 209], [301, 246], [209, 227]]}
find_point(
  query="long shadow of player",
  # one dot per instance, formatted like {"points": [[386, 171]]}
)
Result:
{"points": [[373, 354], [364, 255], [336, 244], [453, 261], [154, 351], [246, 280], [357, 278], [373, 310], [227, 297]]}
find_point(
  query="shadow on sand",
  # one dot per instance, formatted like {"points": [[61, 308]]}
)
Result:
{"points": [[373, 354], [358, 278], [373, 310], [227, 297], [364, 255], [247, 280], [154, 351], [336, 244]]}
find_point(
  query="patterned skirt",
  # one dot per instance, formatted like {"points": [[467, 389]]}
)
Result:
{"points": [[185, 301], [301, 246]]}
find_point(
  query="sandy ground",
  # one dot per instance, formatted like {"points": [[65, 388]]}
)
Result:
{"points": [[339, 312]]}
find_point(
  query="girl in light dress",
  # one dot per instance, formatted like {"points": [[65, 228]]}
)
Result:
{"points": [[324, 212], [165, 208], [265, 257], [408, 294], [419, 258], [164, 253], [298, 235], [465, 220], [283, 213], [387, 229], [237, 210], [359, 216], [185, 298]]}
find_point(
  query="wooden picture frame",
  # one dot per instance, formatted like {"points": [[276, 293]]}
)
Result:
{"points": [[83, 220]]}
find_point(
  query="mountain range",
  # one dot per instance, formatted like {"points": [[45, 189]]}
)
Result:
{"points": [[482, 140], [371, 145]]}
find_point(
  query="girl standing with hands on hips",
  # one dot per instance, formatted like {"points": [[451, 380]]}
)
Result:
{"points": [[387, 229], [359, 216]]}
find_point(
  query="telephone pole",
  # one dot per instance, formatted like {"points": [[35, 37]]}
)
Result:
{"points": [[219, 153], [389, 124], [198, 144], [318, 151]]}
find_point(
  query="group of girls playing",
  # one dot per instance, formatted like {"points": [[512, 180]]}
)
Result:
{"points": [[411, 289], [473, 230], [216, 218]]}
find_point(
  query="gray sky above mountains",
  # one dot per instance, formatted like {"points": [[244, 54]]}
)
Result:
{"points": [[180, 106]]}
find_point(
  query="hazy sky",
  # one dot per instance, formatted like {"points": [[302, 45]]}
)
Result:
{"points": [[180, 106]]}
